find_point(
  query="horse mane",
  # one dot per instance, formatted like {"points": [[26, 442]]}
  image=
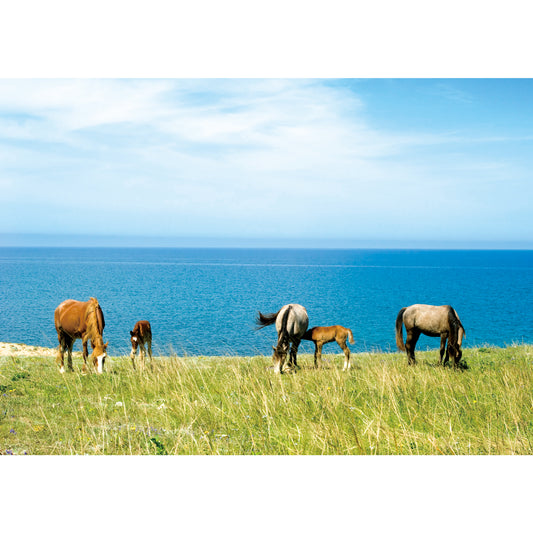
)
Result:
{"points": [[455, 326], [283, 329], [94, 319]]}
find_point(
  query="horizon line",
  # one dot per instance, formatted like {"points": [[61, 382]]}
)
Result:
{"points": [[37, 240]]}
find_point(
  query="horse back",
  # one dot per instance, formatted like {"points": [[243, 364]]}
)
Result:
{"points": [[293, 320], [70, 317], [142, 330], [432, 320], [329, 334]]}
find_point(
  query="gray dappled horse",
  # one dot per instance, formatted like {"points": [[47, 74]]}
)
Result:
{"points": [[291, 324], [435, 321]]}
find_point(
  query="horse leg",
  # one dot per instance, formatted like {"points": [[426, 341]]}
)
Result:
{"points": [[290, 362], [141, 355], [132, 357], [318, 354], [60, 355], [85, 355], [443, 338], [410, 343], [149, 344], [447, 354], [294, 351], [346, 351], [70, 344]]}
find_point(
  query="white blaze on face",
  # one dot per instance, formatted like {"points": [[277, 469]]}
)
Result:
{"points": [[134, 339], [100, 363]]}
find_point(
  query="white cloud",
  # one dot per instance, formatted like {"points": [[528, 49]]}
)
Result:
{"points": [[220, 157]]}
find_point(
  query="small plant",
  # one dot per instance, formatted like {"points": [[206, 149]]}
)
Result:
{"points": [[20, 375], [159, 446]]}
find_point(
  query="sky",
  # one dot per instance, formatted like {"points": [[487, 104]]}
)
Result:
{"points": [[371, 162]]}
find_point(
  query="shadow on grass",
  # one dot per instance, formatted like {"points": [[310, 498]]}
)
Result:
{"points": [[461, 365]]}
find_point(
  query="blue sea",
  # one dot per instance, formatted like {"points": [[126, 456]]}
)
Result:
{"points": [[205, 301]]}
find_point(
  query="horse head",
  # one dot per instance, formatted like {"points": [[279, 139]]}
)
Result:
{"points": [[279, 356], [279, 351], [457, 332], [134, 342], [99, 355], [454, 351]]}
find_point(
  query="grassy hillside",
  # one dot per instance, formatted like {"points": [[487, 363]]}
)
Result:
{"points": [[234, 405]]}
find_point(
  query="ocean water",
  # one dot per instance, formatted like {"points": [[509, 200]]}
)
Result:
{"points": [[205, 301]]}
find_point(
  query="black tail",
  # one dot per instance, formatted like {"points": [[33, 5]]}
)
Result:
{"points": [[265, 320]]}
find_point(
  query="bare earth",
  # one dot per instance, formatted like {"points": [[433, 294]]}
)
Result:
{"points": [[18, 350]]}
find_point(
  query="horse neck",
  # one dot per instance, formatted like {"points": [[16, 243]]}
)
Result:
{"points": [[97, 339]]}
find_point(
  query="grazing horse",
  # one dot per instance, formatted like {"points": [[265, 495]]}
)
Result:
{"points": [[141, 335], [291, 323], [435, 321], [80, 320], [321, 335]]}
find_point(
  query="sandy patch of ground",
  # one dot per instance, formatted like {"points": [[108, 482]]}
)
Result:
{"points": [[21, 350]]}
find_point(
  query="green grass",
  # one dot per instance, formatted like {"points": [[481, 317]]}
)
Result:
{"points": [[234, 405]]}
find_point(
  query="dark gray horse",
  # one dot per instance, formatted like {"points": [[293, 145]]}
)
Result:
{"points": [[291, 324], [435, 321]]}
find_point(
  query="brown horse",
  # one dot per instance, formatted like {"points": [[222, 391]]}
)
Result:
{"points": [[321, 335], [141, 335], [435, 321], [80, 320], [291, 323]]}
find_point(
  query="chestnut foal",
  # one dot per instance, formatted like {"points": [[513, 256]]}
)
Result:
{"points": [[321, 335], [141, 335]]}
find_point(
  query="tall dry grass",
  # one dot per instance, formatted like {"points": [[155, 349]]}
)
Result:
{"points": [[234, 405]]}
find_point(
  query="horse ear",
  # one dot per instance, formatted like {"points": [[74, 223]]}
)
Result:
{"points": [[105, 345], [131, 333]]}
